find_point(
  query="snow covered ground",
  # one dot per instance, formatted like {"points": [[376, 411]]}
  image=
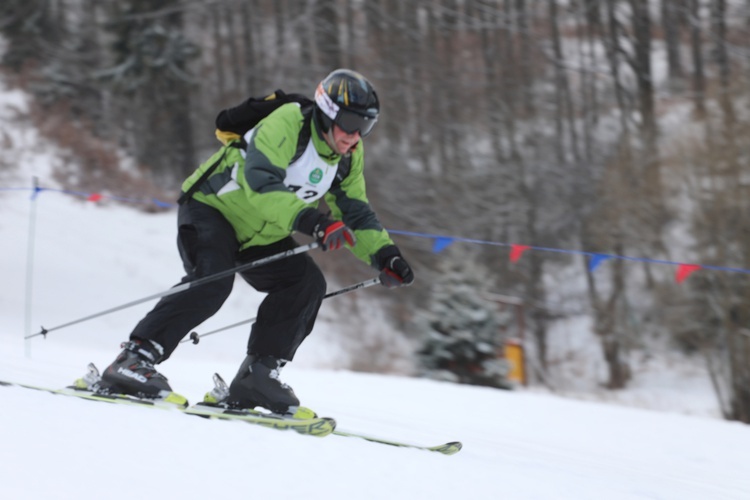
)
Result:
{"points": [[519, 445], [516, 445]]}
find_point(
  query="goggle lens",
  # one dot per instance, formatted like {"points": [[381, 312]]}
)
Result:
{"points": [[351, 122]]}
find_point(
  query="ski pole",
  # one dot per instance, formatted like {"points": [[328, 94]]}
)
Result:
{"points": [[189, 284], [195, 337]]}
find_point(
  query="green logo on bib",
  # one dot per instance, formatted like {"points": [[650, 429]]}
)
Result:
{"points": [[316, 176]]}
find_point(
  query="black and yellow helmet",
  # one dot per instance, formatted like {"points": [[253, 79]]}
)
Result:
{"points": [[347, 99]]}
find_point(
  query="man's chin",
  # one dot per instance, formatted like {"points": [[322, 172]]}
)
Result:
{"points": [[347, 150]]}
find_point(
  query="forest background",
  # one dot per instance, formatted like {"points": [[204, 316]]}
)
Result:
{"points": [[604, 127]]}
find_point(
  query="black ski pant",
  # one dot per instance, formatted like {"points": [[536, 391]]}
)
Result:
{"points": [[295, 287]]}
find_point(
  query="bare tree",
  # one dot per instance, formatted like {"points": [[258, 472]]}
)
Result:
{"points": [[671, 21], [696, 50], [326, 29]]}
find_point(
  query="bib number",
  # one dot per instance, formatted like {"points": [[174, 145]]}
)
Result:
{"points": [[307, 194]]}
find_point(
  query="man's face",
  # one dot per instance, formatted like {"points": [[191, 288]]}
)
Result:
{"points": [[343, 143]]}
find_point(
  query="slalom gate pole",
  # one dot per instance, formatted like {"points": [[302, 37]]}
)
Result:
{"points": [[195, 337], [185, 286], [30, 265]]}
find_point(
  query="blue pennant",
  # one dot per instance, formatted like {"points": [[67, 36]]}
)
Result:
{"points": [[597, 259], [441, 244]]}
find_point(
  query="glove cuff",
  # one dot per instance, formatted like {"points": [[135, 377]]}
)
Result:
{"points": [[307, 220], [383, 256]]}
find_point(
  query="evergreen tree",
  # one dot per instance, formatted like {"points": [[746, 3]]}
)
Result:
{"points": [[462, 332], [152, 81], [26, 24]]}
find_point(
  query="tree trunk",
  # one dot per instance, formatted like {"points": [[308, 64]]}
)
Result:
{"points": [[671, 22], [525, 58], [719, 29], [219, 63], [237, 87], [564, 119], [250, 65], [696, 50], [608, 319], [489, 47], [326, 29]]}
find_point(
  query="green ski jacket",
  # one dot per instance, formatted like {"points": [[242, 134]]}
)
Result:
{"points": [[261, 192]]}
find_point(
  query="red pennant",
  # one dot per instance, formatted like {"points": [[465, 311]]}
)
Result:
{"points": [[684, 271], [516, 251], [94, 197]]}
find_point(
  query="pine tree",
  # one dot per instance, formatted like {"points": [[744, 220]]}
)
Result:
{"points": [[150, 76], [462, 332], [26, 24]]}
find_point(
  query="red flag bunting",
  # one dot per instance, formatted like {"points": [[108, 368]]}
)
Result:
{"points": [[94, 197], [516, 251], [684, 271]]}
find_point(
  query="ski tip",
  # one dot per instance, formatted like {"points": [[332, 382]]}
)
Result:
{"points": [[448, 448], [324, 427]]}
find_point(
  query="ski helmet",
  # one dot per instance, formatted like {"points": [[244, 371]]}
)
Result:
{"points": [[347, 99]]}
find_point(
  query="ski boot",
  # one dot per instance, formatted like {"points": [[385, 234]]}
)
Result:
{"points": [[133, 372], [257, 384]]}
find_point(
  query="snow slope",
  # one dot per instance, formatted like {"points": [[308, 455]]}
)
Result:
{"points": [[518, 445]]}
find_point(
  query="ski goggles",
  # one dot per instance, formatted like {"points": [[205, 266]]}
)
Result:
{"points": [[351, 122]]}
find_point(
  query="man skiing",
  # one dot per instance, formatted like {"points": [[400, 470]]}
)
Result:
{"points": [[245, 203]]}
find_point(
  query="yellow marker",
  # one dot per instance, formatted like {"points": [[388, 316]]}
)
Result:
{"points": [[514, 354]]}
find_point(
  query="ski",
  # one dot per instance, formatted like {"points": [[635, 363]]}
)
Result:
{"points": [[211, 404], [304, 420], [310, 424], [314, 426], [168, 401], [450, 448]]}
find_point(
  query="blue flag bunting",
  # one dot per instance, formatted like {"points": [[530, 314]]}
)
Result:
{"points": [[441, 244], [597, 259]]}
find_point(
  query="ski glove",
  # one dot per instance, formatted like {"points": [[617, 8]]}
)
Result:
{"points": [[394, 270], [331, 234]]}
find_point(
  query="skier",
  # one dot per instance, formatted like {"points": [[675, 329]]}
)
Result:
{"points": [[247, 209]]}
